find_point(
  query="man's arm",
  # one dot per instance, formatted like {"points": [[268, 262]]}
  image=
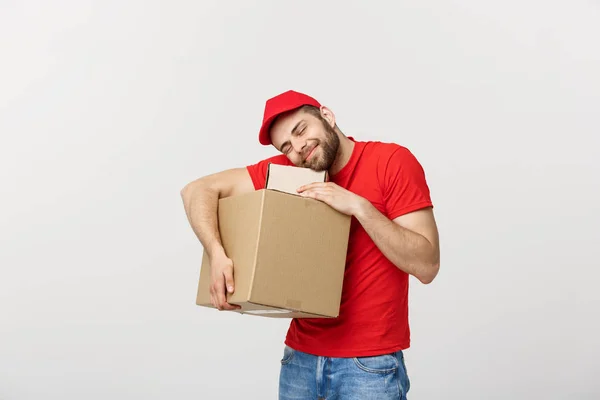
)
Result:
{"points": [[410, 241], [200, 200]]}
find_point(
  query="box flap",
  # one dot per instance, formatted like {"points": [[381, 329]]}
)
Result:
{"points": [[288, 178]]}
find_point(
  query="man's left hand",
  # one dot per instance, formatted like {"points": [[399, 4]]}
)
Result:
{"points": [[335, 196]]}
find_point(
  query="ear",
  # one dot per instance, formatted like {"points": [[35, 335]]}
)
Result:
{"points": [[328, 115]]}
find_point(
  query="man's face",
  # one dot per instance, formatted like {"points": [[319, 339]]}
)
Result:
{"points": [[307, 141]]}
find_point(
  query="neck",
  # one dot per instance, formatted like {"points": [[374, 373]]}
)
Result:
{"points": [[343, 154]]}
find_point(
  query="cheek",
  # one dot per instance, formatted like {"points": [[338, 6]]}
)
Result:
{"points": [[294, 158]]}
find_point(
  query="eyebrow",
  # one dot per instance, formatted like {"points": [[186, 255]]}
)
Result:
{"points": [[287, 142], [297, 125]]}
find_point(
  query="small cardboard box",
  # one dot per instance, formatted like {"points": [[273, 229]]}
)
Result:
{"points": [[288, 252]]}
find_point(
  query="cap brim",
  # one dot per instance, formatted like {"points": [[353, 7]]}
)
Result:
{"points": [[263, 136]]}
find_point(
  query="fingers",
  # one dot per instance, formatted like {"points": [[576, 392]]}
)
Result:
{"points": [[218, 295], [222, 283], [318, 194], [229, 287], [221, 297], [213, 301], [213, 295], [314, 185], [228, 274]]}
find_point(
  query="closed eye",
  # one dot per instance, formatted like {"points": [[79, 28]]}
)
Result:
{"points": [[299, 131]]}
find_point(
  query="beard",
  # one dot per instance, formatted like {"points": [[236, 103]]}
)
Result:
{"points": [[329, 149]]}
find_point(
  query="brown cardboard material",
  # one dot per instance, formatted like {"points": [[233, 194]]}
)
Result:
{"points": [[289, 252]]}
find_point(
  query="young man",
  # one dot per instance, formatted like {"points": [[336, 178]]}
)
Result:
{"points": [[393, 235]]}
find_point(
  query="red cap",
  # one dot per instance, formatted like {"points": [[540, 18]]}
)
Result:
{"points": [[279, 104]]}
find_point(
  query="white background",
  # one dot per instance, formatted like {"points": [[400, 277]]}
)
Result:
{"points": [[108, 108]]}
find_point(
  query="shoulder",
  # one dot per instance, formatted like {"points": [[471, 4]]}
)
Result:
{"points": [[258, 170], [401, 178], [388, 154], [280, 159]]}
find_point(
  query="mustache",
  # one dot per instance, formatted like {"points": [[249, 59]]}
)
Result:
{"points": [[307, 152]]}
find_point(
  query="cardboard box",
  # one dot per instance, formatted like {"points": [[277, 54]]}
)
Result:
{"points": [[288, 252]]}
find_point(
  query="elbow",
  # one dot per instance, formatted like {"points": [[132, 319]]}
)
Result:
{"points": [[430, 267], [187, 195], [428, 273], [184, 191], [188, 190], [197, 190]]}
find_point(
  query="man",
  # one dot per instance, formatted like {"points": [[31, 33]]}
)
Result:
{"points": [[393, 235]]}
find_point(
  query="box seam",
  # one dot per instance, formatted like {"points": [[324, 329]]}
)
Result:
{"points": [[260, 226]]}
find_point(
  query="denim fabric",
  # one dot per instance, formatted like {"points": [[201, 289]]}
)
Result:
{"points": [[308, 377]]}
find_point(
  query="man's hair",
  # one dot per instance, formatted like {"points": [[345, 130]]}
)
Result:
{"points": [[312, 110], [316, 111]]}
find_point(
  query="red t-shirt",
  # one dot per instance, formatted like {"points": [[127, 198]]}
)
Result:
{"points": [[373, 316]]}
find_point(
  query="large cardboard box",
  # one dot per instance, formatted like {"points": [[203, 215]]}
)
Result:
{"points": [[288, 252]]}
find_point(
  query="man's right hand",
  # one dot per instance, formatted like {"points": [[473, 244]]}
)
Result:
{"points": [[200, 200], [221, 270]]}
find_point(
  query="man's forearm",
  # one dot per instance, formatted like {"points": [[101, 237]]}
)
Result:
{"points": [[408, 250], [201, 203]]}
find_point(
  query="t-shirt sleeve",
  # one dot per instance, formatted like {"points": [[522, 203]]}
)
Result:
{"points": [[258, 171], [404, 184]]}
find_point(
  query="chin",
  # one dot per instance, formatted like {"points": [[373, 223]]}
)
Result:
{"points": [[316, 165], [320, 166]]}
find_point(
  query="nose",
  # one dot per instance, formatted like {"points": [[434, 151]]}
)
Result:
{"points": [[298, 145]]}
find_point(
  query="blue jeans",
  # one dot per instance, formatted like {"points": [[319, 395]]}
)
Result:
{"points": [[308, 377]]}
